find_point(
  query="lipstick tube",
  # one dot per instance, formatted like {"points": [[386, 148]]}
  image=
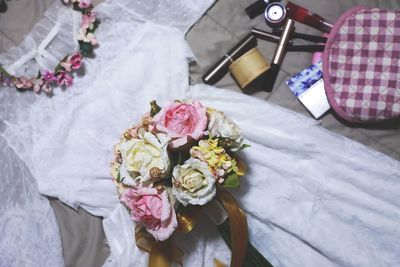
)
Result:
{"points": [[219, 69], [303, 15], [256, 9]]}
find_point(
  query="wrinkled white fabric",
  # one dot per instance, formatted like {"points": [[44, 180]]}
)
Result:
{"points": [[312, 198]]}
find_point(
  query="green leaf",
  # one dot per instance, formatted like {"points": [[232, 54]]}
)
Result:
{"points": [[59, 67], [75, 6], [95, 26], [231, 181], [154, 108], [82, 10], [180, 161], [119, 177], [4, 72], [244, 146], [223, 142], [85, 48]]}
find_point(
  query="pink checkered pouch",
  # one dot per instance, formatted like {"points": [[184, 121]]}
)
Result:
{"points": [[361, 65]]}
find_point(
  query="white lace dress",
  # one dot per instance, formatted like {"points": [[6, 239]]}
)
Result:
{"points": [[312, 198]]}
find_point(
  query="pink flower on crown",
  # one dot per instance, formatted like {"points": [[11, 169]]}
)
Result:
{"points": [[153, 209], [87, 38], [64, 78], [48, 76], [47, 88], [182, 121], [72, 62], [84, 3], [38, 85], [45, 82], [23, 83], [88, 20]]}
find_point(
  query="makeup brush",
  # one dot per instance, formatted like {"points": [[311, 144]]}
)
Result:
{"points": [[279, 54], [267, 36], [305, 48], [303, 36], [219, 69]]}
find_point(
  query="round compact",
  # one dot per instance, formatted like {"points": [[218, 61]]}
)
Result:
{"points": [[361, 65], [249, 68], [275, 14]]}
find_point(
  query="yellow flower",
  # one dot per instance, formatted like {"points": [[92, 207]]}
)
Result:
{"points": [[219, 162]]}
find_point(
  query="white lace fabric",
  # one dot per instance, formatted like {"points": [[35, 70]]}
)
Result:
{"points": [[327, 201]]}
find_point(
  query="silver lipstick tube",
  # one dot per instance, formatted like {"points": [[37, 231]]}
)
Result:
{"points": [[283, 42]]}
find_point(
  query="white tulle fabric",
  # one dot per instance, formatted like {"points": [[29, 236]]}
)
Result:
{"points": [[312, 198]]}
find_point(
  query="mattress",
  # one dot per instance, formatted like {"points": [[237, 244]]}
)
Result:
{"points": [[222, 26]]}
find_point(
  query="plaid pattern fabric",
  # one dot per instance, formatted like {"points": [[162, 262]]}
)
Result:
{"points": [[363, 65]]}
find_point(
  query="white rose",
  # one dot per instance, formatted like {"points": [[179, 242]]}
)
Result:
{"points": [[222, 126], [144, 159], [193, 183]]}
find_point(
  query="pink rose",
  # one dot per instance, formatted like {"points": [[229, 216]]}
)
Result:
{"points": [[181, 121], [72, 62], [152, 209], [23, 83], [76, 61], [64, 78], [84, 4], [88, 19]]}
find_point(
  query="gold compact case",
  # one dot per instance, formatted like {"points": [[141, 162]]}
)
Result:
{"points": [[247, 68]]}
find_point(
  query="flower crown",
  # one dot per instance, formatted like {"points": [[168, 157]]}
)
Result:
{"points": [[62, 74]]}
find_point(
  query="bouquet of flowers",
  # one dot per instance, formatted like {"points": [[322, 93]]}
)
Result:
{"points": [[174, 162]]}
